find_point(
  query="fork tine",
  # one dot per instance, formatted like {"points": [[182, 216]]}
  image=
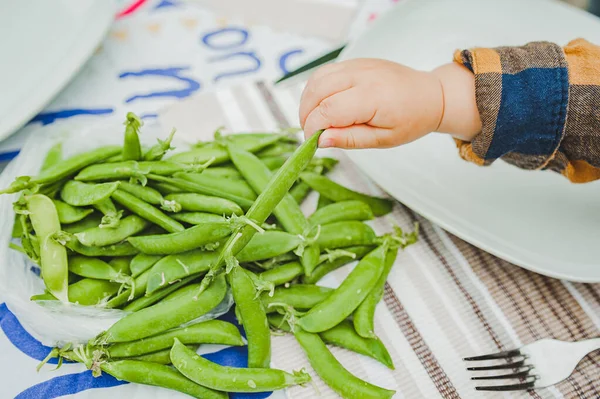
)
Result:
{"points": [[499, 355], [513, 387], [515, 365], [520, 374]]}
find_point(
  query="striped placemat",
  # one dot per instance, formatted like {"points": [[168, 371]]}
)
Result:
{"points": [[444, 300]]}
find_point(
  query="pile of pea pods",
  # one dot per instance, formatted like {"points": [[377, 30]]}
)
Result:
{"points": [[167, 238]]}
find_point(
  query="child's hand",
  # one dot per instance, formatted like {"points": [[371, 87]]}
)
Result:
{"points": [[370, 103]]}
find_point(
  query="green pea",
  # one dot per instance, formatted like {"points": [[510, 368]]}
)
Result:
{"points": [[337, 193], [184, 306], [330, 370], [298, 296], [85, 292], [348, 296], [364, 316], [198, 217], [329, 265], [231, 379], [345, 234], [341, 211], [53, 157], [98, 237], [151, 299], [253, 318], [90, 221], [70, 214], [158, 375], [283, 273], [142, 262], [132, 149], [344, 336], [204, 203], [160, 357], [146, 211], [158, 151], [206, 332], [82, 194], [194, 237], [53, 256]]}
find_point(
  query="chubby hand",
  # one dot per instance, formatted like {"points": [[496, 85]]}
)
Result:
{"points": [[373, 103]]}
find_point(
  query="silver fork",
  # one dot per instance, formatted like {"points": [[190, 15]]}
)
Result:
{"points": [[537, 365]]}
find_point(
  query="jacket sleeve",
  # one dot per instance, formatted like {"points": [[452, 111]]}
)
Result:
{"points": [[539, 106]]}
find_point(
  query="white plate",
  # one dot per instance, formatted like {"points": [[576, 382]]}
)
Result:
{"points": [[537, 220], [42, 45]]}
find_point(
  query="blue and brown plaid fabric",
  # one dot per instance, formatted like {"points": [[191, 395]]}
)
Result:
{"points": [[539, 106]]}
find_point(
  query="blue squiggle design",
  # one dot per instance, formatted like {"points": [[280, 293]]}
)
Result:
{"points": [[166, 4], [284, 59], [47, 118], [174, 73], [206, 39], [68, 385], [249, 54]]}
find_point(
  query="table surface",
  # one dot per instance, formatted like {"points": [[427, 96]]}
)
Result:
{"points": [[444, 299]]}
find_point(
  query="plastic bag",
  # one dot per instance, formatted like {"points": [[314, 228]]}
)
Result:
{"points": [[52, 322]]}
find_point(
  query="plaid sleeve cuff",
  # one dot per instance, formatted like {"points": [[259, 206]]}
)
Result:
{"points": [[522, 95]]}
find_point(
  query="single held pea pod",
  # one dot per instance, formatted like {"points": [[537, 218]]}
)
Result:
{"points": [[70, 214], [53, 157], [147, 211], [132, 149], [232, 379], [206, 332], [345, 234], [142, 262], [347, 385], [159, 375], [335, 259], [86, 292], [99, 237], [151, 299], [150, 195], [298, 296], [283, 273], [158, 150], [187, 240], [342, 211], [76, 193], [287, 212], [53, 256], [180, 307], [264, 205], [348, 296], [195, 218], [253, 318], [344, 336], [193, 202], [335, 192]]}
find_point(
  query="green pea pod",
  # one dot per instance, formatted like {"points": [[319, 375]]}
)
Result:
{"points": [[300, 191], [149, 300], [345, 234], [238, 188], [219, 154], [277, 150], [132, 149], [273, 163], [268, 245], [348, 296], [99, 237], [287, 212], [334, 261], [231, 379], [160, 357], [112, 171], [120, 249], [53, 256], [330, 370], [324, 201], [253, 318], [268, 199], [203, 203], [94, 268], [150, 195], [181, 307], [198, 218], [53, 157], [85, 292], [340, 212], [223, 172], [174, 267], [90, 221], [337, 193], [165, 188], [70, 214], [298, 296], [364, 316], [344, 336], [206, 332], [121, 264], [283, 273], [194, 237], [76, 193], [158, 151], [159, 375], [147, 211], [142, 262]]}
